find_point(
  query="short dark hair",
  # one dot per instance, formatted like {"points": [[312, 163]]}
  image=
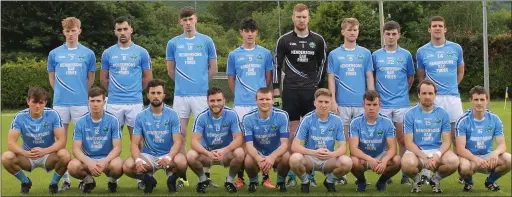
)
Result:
{"points": [[249, 24], [214, 90], [427, 82], [156, 82], [390, 25], [187, 11], [478, 90], [96, 91], [263, 91], [437, 18], [371, 95], [37, 93], [300, 7], [123, 19], [322, 92]]}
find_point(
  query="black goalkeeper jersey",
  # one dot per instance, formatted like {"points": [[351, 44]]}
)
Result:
{"points": [[304, 60]]}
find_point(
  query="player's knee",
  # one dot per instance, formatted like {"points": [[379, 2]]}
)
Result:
{"points": [[345, 163], [73, 166], [285, 158], [239, 154], [396, 161], [452, 161], [192, 156], [63, 156], [249, 162], [180, 161], [8, 157], [296, 159], [128, 165], [507, 158], [465, 170], [356, 162], [408, 165]]}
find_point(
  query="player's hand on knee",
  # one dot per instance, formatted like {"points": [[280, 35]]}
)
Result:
{"points": [[140, 166], [278, 102], [482, 164], [492, 161]]}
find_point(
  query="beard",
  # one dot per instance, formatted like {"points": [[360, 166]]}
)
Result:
{"points": [[156, 103]]}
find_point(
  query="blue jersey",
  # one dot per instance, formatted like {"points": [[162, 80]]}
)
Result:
{"points": [[37, 132], [216, 133], [249, 67], [157, 131], [191, 56], [266, 134], [320, 134], [426, 127], [349, 68], [392, 70], [97, 137], [71, 67], [372, 138], [479, 133], [440, 65], [126, 67]]}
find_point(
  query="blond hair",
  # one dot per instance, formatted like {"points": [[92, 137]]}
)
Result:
{"points": [[70, 22], [349, 21], [322, 92]]}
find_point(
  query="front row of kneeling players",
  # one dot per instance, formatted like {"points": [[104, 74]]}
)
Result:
{"points": [[217, 139]]}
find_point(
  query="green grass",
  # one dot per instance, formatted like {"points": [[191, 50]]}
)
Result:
{"points": [[40, 179]]}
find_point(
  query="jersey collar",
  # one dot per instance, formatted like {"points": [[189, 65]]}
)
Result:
{"points": [[342, 47]]}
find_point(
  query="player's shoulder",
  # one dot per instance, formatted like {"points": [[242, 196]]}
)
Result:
{"points": [[139, 48], [22, 113], [83, 118], [204, 37], [404, 51], [170, 110], [51, 112], [85, 48], [143, 113], [412, 110], [110, 49], [262, 49], [493, 116], [230, 112], [317, 36], [440, 110], [357, 119], [424, 47], [280, 113], [452, 44], [251, 114], [308, 116], [378, 51], [203, 114], [175, 38], [386, 120], [364, 49], [57, 49], [286, 36], [110, 116], [464, 118]]}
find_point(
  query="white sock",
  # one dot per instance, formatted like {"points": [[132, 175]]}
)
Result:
{"points": [[426, 172], [88, 179], [206, 169], [112, 180]]}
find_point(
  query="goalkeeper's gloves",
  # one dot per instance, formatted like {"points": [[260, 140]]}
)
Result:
{"points": [[278, 102]]}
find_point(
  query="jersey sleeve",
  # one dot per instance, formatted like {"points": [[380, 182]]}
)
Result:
{"points": [[321, 61], [408, 122], [169, 50], [460, 128], [368, 62], [174, 124], [248, 129], [390, 130], [210, 46], [268, 61], [139, 125], [419, 60], [115, 129], [303, 129], [57, 121], [279, 55], [91, 65], [340, 134], [235, 124], [105, 64], [445, 121], [78, 131], [284, 130], [498, 130], [410, 65], [17, 123], [51, 62], [460, 56], [230, 67], [353, 130], [145, 60], [199, 125], [330, 63]]}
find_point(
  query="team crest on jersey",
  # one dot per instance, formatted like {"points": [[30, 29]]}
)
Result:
{"points": [[400, 61], [312, 45], [274, 127], [199, 46], [438, 121], [133, 57], [105, 130], [225, 125], [450, 54], [166, 123], [489, 129], [331, 130], [380, 132], [45, 125], [81, 57], [360, 57], [259, 57]]}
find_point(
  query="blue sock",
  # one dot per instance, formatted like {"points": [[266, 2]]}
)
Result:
{"points": [[254, 179], [403, 174], [292, 175], [55, 179], [469, 180], [312, 176], [331, 178], [281, 179], [21, 176], [493, 177]]}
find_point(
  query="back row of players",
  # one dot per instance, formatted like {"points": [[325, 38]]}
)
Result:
{"points": [[192, 57]]}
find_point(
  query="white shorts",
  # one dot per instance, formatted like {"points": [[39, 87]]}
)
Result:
{"points": [[68, 113], [184, 105], [347, 113], [242, 110], [395, 114], [429, 153], [39, 163], [318, 165], [450, 103], [378, 157], [125, 113], [154, 161]]}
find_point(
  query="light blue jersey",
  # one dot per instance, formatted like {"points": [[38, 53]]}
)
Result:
{"points": [[191, 56], [479, 133], [372, 138], [216, 133], [97, 137], [319, 134], [37, 132], [71, 67], [349, 68], [440, 65], [126, 67], [392, 70], [266, 134], [157, 131], [249, 67], [426, 127]]}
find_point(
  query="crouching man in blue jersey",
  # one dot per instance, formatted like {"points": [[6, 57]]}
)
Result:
{"points": [[158, 126], [476, 130], [373, 143], [96, 145], [428, 140], [216, 140], [266, 136], [44, 142], [319, 130]]}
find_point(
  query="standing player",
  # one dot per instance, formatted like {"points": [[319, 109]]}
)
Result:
{"points": [[191, 62], [96, 145], [250, 65], [303, 53], [350, 71], [216, 140], [44, 142], [476, 130], [442, 62], [394, 75], [373, 144], [158, 127], [318, 131], [266, 136], [71, 68], [427, 139]]}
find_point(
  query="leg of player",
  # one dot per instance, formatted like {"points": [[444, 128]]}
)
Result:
{"points": [[252, 169], [411, 166], [130, 170], [114, 170], [58, 161], [235, 160], [504, 166], [283, 167], [177, 168], [182, 179], [15, 164], [358, 169], [196, 162], [300, 164], [401, 144], [240, 181], [335, 168], [292, 180], [466, 170], [79, 170], [393, 166], [448, 165]]}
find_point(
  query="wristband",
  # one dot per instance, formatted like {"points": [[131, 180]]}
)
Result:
{"points": [[438, 153], [139, 159]]}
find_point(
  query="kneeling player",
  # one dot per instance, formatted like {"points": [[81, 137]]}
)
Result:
{"points": [[266, 140], [320, 130], [216, 139], [476, 130], [373, 144], [44, 142], [96, 145], [159, 128]]}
